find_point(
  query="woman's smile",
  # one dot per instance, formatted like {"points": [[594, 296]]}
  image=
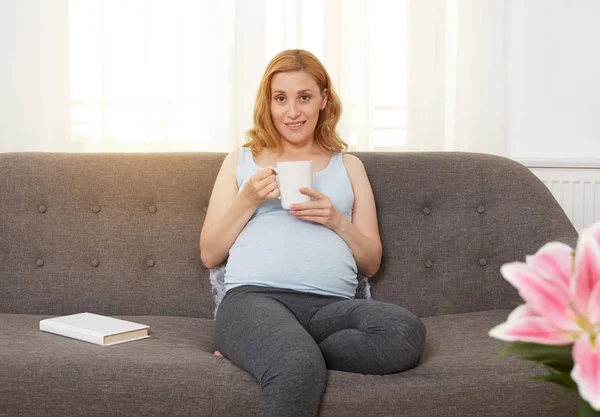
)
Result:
{"points": [[295, 126]]}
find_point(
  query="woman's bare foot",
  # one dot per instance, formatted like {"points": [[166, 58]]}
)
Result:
{"points": [[218, 353]]}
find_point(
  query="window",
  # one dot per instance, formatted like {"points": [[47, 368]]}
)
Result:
{"points": [[141, 77], [388, 73], [138, 73], [376, 33]]}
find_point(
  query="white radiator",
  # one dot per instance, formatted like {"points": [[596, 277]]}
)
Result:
{"points": [[577, 190]]}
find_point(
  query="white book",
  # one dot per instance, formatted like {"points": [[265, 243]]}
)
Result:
{"points": [[94, 328]]}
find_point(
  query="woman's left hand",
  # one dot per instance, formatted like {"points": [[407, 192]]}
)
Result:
{"points": [[321, 211]]}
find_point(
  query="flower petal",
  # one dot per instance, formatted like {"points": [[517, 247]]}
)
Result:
{"points": [[522, 312], [554, 260], [548, 298], [531, 329], [586, 370], [593, 311], [587, 270]]}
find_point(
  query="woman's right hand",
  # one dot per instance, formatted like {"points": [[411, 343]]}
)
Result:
{"points": [[260, 187], [230, 209]]}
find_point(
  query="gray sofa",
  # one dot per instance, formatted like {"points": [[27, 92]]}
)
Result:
{"points": [[117, 234]]}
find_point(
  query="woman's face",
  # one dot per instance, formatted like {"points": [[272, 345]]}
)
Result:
{"points": [[295, 105]]}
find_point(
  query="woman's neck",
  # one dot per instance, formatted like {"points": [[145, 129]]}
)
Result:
{"points": [[309, 148]]}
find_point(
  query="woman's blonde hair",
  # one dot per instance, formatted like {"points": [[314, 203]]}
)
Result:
{"points": [[264, 134]]}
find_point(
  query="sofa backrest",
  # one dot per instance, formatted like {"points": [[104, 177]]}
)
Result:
{"points": [[118, 234], [449, 220]]}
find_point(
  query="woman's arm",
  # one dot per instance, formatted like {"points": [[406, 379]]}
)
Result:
{"points": [[362, 234], [224, 219], [229, 212]]}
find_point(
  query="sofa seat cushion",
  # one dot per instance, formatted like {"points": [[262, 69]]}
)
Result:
{"points": [[174, 373], [169, 374], [460, 375]]}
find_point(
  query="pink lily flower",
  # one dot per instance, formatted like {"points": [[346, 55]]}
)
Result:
{"points": [[561, 290]]}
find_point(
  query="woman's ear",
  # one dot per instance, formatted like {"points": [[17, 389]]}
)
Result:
{"points": [[324, 96]]}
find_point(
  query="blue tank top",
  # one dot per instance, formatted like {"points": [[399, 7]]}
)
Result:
{"points": [[276, 249]]}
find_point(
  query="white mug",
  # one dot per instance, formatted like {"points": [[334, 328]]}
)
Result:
{"points": [[291, 176]]}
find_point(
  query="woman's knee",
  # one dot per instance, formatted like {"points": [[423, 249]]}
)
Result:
{"points": [[398, 337], [304, 366], [410, 323], [406, 336]]}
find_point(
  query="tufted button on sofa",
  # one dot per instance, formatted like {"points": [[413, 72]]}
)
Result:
{"points": [[118, 234]]}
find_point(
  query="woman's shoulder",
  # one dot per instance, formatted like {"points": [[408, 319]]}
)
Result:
{"points": [[355, 169], [240, 153], [232, 156], [352, 162], [230, 162]]}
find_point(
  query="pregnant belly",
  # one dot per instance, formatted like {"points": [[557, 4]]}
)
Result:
{"points": [[291, 252]]}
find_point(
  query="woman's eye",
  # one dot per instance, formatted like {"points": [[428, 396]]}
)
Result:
{"points": [[280, 99], [304, 98]]}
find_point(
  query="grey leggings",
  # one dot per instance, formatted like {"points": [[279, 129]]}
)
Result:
{"points": [[288, 339]]}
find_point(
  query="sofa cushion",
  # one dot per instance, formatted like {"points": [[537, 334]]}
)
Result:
{"points": [[118, 233], [174, 373], [171, 373], [460, 375]]}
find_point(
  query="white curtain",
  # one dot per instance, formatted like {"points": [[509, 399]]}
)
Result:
{"points": [[457, 76], [34, 75], [182, 75], [157, 75]]}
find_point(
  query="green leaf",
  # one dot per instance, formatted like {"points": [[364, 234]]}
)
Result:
{"points": [[560, 362], [585, 410], [562, 379], [556, 357]]}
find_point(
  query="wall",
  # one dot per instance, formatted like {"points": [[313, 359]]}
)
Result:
{"points": [[19, 80], [553, 97], [34, 77]]}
